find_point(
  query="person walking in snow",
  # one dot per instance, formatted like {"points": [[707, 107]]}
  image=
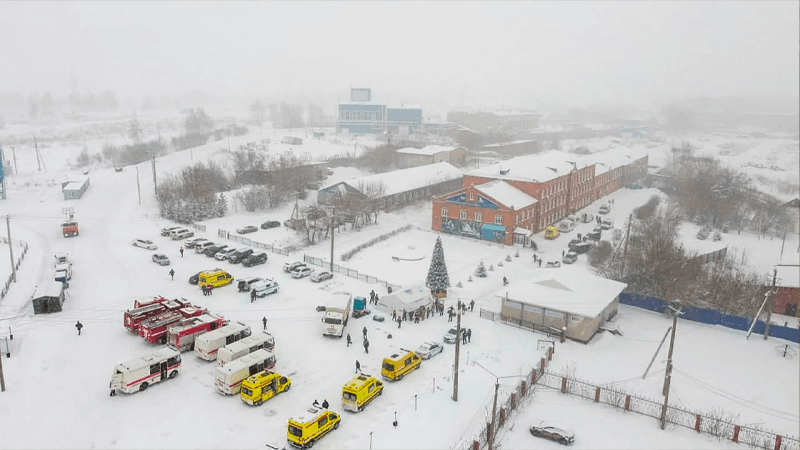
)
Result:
{"points": [[252, 295], [79, 325], [325, 403], [264, 321], [358, 367], [399, 322], [464, 337], [365, 333], [172, 274], [469, 335], [366, 346], [350, 341], [394, 315], [181, 252], [471, 305], [210, 289], [540, 263]]}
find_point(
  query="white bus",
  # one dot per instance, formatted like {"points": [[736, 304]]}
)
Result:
{"points": [[136, 374], [206, 345], [245, 347], [228, 378]]}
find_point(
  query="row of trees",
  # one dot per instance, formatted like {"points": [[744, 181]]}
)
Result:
{"points": [[710, 193], [196, 193], [653, 263], [288, 115]]}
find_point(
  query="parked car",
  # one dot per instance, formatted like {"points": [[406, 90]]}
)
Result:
{"points": [[191, 242], [321, 275], [290, 266], [182, 234], [177, 231], [570, 258], [553, 264], [450, 336], [160, 259], [607, 224], [144, 243], [255, 259], [595, 235], [566, 225], [605, 208], [193, 278], [266, 287], [376, 317], [581, 248], [212, 251], [240, 255], [270, 224], [201, 247], [166, 231], [428, 349], [302, 272], [565, 437], [245, 284], [247, 229], [224, 254]]}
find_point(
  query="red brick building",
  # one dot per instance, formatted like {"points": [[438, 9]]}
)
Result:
{"points": [[493, 211], [788, 295], [561, 183]]}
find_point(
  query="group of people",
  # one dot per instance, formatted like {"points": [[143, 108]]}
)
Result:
{"points": [[460, 306], [324, 404], [373, 298], [466, 336], [365, 342], [207, 289]]}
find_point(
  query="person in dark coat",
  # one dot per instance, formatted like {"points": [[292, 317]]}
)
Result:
{"points": [[350, 341], [264, 320], [394, 315], [181, 252], [540, 263], [376, 299], [366, 346], [399, 322], [358, 367], [252, 296], [172, 273], [203, 288], [210, 289], [325, 403], [464, 337], [316, 403], [79, 325], [404, 314], [471, 305], [469, 335], [364, 330]]}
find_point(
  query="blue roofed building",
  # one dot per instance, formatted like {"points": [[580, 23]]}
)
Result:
{"points": [[360, 115]]}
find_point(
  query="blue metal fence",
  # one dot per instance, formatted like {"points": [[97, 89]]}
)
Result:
{"points": [[712, 317]]}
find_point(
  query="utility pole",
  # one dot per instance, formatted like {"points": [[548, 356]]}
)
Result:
{"points": [[38, 158], [668, 373], [494, 412], [783, 244], [2, 378], [16, 172], [333, 232], [11, 249], [155, 186], [458, 348], [627, 239], [138, 189], [770, 303]]}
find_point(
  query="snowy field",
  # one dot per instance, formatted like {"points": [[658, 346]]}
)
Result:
{"points": [[62, 379]]}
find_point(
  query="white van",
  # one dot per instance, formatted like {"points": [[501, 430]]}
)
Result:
{"points": [[245, 347], [183, 235], [206, 345], [228, 378], [265, 287], [176, 231], [137, 374]]}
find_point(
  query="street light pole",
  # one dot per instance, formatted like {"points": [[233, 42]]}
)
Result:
{"points": [[494, 412]]}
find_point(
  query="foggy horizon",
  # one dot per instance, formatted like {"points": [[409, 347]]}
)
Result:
{"points": [[513, 55]]}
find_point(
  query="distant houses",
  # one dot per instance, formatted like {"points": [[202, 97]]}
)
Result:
{"points": [[432, 154]]}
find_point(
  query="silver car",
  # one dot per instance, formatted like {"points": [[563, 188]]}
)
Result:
{"points": [[428, 349], [144, 243], [160, 259]]}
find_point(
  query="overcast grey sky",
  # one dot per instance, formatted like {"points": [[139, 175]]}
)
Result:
{"points": [[474, 53]]}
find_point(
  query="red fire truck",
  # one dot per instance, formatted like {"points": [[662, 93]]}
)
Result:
{"points": [[154, 329], [144, 310], [181, 336]]}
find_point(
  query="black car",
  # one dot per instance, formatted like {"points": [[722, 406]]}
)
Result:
{"points": [[581, 248], [594, 235], [270, 224], [255, 259], [211, 251], [239, 256], [193, 278]]}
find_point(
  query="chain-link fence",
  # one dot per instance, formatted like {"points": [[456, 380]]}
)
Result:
{"points": [[225, 234], [352, 273], [24, 245]]}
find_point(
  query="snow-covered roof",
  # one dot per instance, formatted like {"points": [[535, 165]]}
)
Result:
{"points": [[50, 288], [539, 167], [429, 150], [409, 179], [308, 415], [503, 144], [612, 159], [403, 107], [788, 275], [408, 299], [73, 185], [567, 289], [506, 194]]}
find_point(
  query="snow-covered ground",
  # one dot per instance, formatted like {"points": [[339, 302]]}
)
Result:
{"points": [[58, 381]]}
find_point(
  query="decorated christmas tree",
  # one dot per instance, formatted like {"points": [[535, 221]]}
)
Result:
{"points": [[481, 270], [438, 280]]}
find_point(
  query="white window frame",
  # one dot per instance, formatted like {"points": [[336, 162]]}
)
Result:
{"points": [[478, 216], [444, 211], [498, 219], [463, 214]]}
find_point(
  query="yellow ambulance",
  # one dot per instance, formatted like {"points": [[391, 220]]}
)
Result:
{"points": [[550, 232], [215, 278], [395, 367], [359, 391], [311, 425], [262, 386]]}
